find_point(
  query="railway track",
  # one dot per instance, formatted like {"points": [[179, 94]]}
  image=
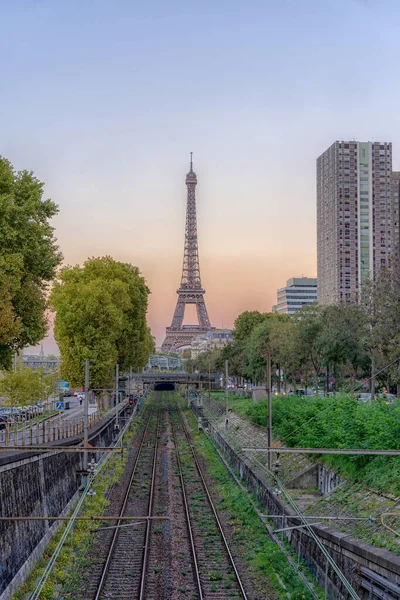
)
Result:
{"points": [[187, 557], [123, 570], [215, 572]]}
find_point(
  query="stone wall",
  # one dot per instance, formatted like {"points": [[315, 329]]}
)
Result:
{"points": [[350, 554], [38, 485]]}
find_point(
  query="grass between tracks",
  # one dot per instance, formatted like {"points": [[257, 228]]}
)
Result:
{"points": [[259, 553], [74, 556]]}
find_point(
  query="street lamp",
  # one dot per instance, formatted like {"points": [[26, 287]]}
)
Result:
{"points": [[227, 396]]}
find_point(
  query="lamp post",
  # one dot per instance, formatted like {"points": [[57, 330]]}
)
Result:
{"points": [[227, 396], [86, 414], [116, 396], [209, 383], [269, 406]]}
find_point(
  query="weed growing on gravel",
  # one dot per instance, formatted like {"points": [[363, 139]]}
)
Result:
{"points": [[74, 555], [257, 551]]}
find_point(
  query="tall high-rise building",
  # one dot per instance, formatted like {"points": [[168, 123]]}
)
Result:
{"points": [[396, 212], [355, 233]]}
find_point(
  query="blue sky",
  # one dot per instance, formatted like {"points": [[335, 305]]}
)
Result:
{"points": [[104, 100]]}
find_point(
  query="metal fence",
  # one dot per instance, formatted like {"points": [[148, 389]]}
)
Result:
{"points": [[48, 429]]}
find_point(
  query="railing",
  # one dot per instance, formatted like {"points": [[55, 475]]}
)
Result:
{"points": [[48, 429]]}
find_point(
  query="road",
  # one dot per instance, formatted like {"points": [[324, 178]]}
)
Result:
{"points": [[75, 412]]}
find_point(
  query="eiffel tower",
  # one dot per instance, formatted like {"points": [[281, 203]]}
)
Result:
{"points": [[190, 290]]}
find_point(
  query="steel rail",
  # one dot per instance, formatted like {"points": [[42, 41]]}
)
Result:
{"points": [[211, 503], [188, 520], [146, 549], [102, 518], [61, 449], [119, 521]]}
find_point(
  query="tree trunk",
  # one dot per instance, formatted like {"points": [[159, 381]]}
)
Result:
{"points": [[279, 378], [372, 382]]}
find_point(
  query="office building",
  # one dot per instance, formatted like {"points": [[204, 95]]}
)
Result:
{"points": [[298, 292], [355, 235]]}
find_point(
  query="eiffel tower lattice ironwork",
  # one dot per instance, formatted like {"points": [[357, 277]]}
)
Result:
{"points": [[190, 290]]}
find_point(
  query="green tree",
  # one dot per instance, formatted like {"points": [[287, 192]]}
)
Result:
{"points": [[264, 338], [29, 257], [25, 386], [246, 322], [206, 361], [309, 323], [286, 349], [236, 352], [101, 316], [381, 303], [342, 338]]}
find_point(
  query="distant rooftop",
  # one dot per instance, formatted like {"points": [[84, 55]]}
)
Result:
{"points": [[302, 282]]}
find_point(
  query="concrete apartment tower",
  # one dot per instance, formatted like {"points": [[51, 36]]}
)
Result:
{"points": [[355, 217], [396, 212]]}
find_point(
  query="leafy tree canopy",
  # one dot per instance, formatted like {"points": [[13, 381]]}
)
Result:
{"points": [[101, 316], [26, 387], [29, 257]]}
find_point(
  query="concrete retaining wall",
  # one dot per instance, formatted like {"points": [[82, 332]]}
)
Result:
{"points": [[38, 485], [349, 553]]}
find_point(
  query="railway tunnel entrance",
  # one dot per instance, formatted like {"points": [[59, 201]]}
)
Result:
{"points": [[165, 386]]}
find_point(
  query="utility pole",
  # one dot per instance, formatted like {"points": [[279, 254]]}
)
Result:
{"points": [[116, 396], [209, 383], [227, 396], [86, 414], [269, 406], [372, 383]]}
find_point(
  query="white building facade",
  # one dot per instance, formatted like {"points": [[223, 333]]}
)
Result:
{"points": [[298, 292]]}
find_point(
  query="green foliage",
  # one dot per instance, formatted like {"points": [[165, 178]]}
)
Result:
{"points": [[101, 315], [340, 422], [29, 257], [205, 362], [317, 341], [256, 549], [25, 386], [246, 322]]}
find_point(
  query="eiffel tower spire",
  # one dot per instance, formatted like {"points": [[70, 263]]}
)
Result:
{"points": [[190, 290]]}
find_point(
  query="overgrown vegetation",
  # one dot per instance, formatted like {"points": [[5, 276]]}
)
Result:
{"points": [[339, 422], [75, 552], [259, 553]]}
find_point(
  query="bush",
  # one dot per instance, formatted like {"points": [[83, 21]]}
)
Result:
{"points": [[340, 422]]}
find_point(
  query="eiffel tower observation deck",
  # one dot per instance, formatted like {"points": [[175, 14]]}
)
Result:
{"points": [[190, 290]]}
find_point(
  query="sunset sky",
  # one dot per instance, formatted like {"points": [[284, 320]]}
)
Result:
{"points": [[104, 100]]}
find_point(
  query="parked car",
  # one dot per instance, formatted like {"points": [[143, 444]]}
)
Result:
{"points": [[364, 397], [389, 398], [4, 419]]}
